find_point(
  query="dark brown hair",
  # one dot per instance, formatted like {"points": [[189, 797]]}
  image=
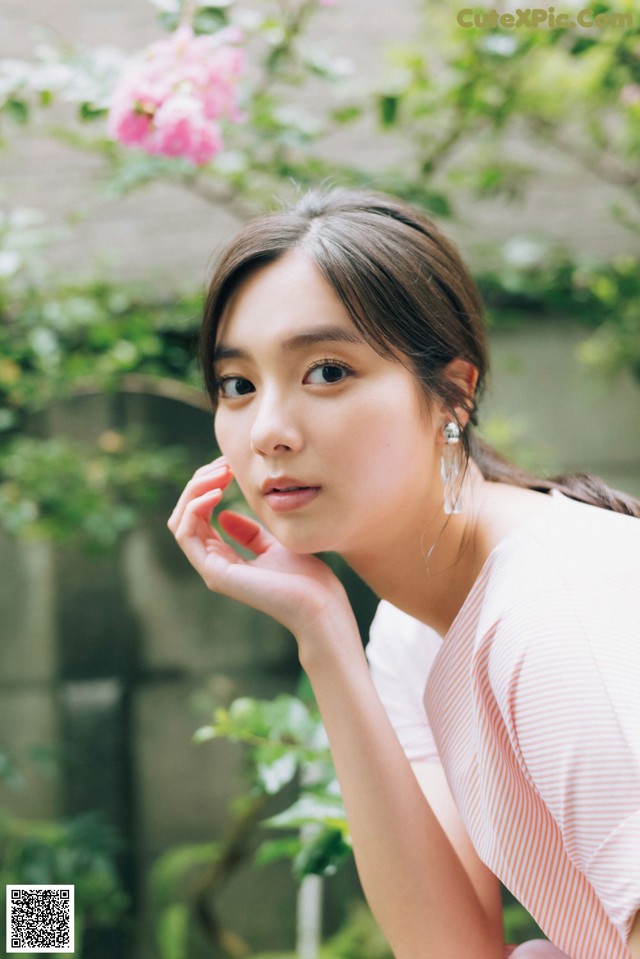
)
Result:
{"points": [[408, 294]]}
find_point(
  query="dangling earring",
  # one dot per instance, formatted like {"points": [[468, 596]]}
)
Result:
{"points": [[450, 461]]}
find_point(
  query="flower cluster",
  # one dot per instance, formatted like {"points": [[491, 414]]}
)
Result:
{"points": [[170, 101]]}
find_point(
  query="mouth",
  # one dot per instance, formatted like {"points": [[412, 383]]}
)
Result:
{"points": [[288, 489], [283, 498], [284, 484]]}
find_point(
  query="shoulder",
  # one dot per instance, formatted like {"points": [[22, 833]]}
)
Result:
{"points": [[560, 618], [581, 558], [396, 637]]}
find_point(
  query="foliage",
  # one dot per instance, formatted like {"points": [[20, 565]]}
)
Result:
{"points": [[286, 740], [57, 490], [60, 338], [495, 89], [286, 745], [79, 850], [171, 879], [540, 280], [519, 926], [461, 84], [60, 342]]}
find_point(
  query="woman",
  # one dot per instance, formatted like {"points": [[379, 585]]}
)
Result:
{"points": [[497, 734]]}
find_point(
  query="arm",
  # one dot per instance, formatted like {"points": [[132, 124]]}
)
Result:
{"points": [[435, 787], [414, 880], [401, 653]]}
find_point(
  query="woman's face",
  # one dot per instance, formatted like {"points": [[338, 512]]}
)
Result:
{"points": [[305, 402]]}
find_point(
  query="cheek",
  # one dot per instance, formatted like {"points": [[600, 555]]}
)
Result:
{"points": [[230, 438], [377, 440], [220, 433]]}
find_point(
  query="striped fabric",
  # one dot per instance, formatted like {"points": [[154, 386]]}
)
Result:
{"points": [[532, 704]]}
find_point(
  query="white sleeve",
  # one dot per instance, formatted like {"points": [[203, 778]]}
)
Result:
{"points": [[401, 651]]}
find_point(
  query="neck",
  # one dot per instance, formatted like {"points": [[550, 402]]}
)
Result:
{"points": [[427, 569]]}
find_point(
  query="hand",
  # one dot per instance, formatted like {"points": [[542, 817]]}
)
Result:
{"points": [[296, 590]]}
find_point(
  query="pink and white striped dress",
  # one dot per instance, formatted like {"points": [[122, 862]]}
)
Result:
{"points": [[531, 702]]}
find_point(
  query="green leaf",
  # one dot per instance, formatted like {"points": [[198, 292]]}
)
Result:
{"points": [[438, 204], [10, 775], [170, 870], [172, 933], [210, 18], [581, 44], [311, 809], [519, 926], [388, 108], [322, 856], [89, 112], [272, 850], [347, 114], [8, 419], [272, 776], [18, 110], [203, 735]]}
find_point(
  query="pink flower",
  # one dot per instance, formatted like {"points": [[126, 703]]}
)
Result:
{"points": [[133, 127], [172, 98], [182, 129]]}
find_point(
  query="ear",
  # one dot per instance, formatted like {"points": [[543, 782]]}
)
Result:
{"points": [[465, 375]]}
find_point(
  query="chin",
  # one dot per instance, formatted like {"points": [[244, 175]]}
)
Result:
{"points": [[296, 541]]}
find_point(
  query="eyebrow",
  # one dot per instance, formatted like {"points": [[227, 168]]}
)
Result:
{"points": [[323, 334]]}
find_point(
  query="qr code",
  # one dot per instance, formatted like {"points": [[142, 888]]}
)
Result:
{"points": [[40, 918]]}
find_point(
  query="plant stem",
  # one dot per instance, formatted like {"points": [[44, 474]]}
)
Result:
{"points": [[233, 852]]}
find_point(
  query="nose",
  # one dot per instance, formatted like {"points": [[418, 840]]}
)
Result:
{"points": [[275, 427]]}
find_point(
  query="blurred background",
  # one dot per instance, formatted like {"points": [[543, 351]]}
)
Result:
{"points": [[149, 728]]}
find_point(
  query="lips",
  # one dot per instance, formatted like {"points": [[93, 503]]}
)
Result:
{"points": [[285, 494], [284, 484]]}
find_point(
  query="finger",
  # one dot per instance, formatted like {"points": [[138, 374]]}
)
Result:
{"points": [[246, 531], [197, 486], [218, 463], [200, 508], [202, 545], [194, 530]]}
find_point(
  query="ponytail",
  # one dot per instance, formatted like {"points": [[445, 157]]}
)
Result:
{"points": [[578, 486]]}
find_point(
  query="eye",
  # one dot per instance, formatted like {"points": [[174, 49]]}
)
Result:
{"points": [[232, 387], [328, 371]]}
